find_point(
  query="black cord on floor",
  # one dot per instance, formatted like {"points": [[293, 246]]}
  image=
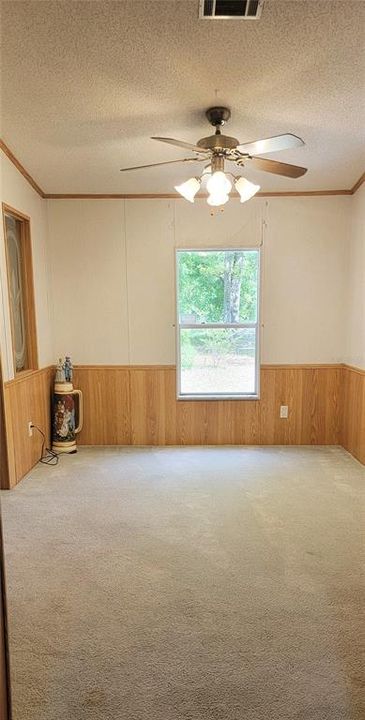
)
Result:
{"points": [[48, 457]]}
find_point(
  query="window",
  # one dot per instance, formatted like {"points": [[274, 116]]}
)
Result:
{"points": [[20, 285], [218, 330]]}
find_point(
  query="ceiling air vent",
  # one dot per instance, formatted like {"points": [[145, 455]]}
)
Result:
{"points": [[230, 9]]}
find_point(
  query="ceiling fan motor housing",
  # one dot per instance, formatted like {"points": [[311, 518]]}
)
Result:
{"points": [[218, 142]]}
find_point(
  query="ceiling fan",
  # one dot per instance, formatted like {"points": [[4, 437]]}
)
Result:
{"points": [[218, 148]]}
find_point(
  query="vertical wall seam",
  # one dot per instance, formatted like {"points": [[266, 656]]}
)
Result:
{"points": [[126, 282], [130, 423]]}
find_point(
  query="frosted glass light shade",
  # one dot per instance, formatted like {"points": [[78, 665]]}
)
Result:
{"points": [[246, 189], [217, 199], [189, 188], [218, 183]]}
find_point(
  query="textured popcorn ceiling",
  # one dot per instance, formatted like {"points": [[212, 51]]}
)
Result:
{"points": [[85, 84]]}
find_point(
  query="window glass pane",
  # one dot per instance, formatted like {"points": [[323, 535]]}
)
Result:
{"points": [[218, 286], [16, 290], [220, 360]]}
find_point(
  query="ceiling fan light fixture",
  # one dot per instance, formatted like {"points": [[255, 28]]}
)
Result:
{"points": [[218, 183], [189, 188], [217, 199], [245, 189]]}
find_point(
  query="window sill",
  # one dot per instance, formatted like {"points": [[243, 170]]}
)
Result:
{"points": [[189, 398]]}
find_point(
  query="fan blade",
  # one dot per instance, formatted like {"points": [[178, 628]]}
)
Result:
{"points": [[277, 168], [168, 162], [181, 143], [279, 142]]}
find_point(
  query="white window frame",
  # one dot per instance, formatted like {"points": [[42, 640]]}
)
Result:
{"points": [[207, 326]]}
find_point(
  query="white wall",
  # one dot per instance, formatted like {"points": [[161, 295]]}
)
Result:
{"points": [[111, 268], [16, 192], [113, 274], [304, 279], [88, 279], [355, 308]]}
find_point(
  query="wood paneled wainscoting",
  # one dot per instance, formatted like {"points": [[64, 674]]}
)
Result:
{"points": [[26, 398], [353, 415], [136, 405]]}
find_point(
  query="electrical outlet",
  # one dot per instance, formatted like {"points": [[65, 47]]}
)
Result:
{"points": [[30, 429], [284, 411]]}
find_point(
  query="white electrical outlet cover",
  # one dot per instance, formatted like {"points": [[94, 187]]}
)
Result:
{"points": [[283, 411]]}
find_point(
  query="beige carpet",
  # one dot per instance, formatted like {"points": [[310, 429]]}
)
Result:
{"points": [[188, 584]]}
